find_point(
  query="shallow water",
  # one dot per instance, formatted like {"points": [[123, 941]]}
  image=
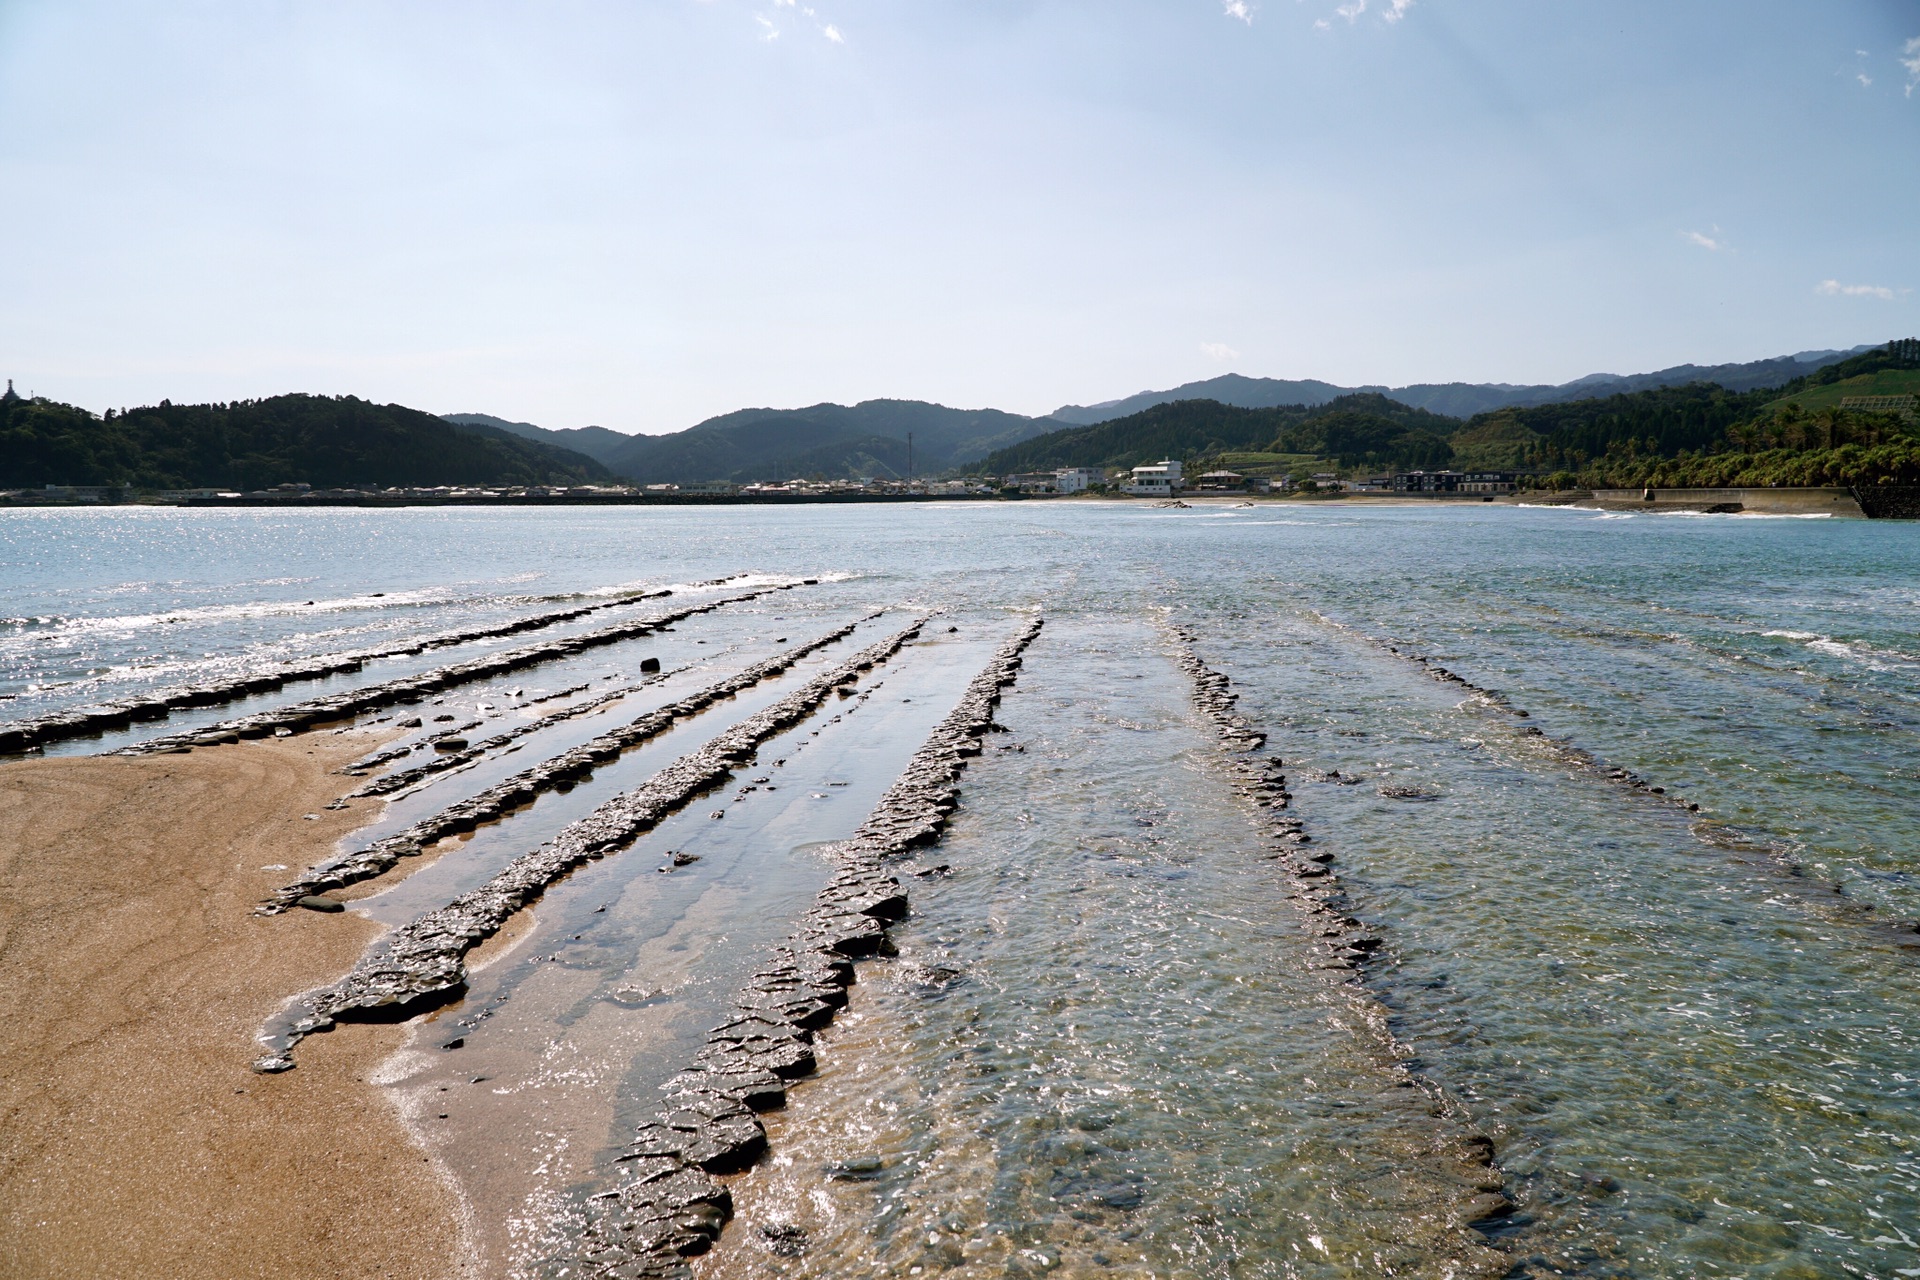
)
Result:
{"points": [[1102, 1047]]}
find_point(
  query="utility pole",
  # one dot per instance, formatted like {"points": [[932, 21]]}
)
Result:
{"points": [[909, 455]]}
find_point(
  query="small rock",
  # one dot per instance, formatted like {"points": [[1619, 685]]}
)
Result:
{"points": [[413, 723], [857, 1169], [784, 1240], [319, 902], [454, 1043], [649, 664]]}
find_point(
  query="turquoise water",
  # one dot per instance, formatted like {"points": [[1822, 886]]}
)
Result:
{"points": [[1688, 1033]]}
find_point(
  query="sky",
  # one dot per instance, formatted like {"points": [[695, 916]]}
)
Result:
{"points": [[641, 213]]}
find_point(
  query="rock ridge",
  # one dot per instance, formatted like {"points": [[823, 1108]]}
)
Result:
{"points": [[570, 766], [118, 713], [407, 689], [667, 1205], [422, 963]]}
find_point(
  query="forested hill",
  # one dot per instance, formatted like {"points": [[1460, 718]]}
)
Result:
{"points": [[1363, 430], [1705, 434], [324, 441], [1700, 434], [829, 441]]}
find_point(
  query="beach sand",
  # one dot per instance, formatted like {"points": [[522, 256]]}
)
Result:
{"points": [[134, 1140]]}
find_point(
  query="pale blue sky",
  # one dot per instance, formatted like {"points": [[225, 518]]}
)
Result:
{"points": [[642, 213]]}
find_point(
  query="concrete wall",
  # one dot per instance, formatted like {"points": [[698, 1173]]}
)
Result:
{"points": [[1826, 501]]}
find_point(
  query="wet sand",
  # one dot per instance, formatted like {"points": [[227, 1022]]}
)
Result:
{"points": [[134, 1140]]}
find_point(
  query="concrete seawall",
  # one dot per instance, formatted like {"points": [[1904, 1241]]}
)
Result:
{"points": [[1809, 501]]}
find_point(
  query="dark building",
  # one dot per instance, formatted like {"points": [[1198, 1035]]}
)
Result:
{"points": [[1453, 482]]}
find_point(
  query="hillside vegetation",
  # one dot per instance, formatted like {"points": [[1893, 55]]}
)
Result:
{"points": [[325, 441], [1364, 430], [1706, 435], [1698, 434], [825, 441]]}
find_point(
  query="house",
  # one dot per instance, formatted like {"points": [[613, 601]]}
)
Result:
{"points": [[1222, 482], [1158, 480], [1077, 479], [1031, 482]]}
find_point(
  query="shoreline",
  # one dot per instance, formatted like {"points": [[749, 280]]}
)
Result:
{"points": [[134, 1138]]}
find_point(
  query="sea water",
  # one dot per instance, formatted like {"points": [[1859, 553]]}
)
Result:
{"points": [[1104, 1047]]}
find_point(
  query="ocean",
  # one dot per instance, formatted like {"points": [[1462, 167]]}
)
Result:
{"points": [[1653, 937]]}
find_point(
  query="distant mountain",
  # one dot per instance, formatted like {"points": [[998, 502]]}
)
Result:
{"points": [[1602, 432], [325, 441], [1364, 429], [1460, 399], [827, 440], [595, 442]]}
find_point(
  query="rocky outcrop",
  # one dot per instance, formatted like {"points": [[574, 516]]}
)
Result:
{"points": [[447, 757], [1346, 946], [409, 689], [81, 722], [1495, 701], [422, 964], [570, 766], [665, 1205]]}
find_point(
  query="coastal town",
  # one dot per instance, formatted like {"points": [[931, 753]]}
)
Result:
{"points": [[1166, 479]]}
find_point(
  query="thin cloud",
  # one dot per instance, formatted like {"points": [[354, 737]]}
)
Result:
{"points": [[1238, 9], [1709, 243], [1398, 11], [1218, 351], [1866, 81], [1912, 63], [832, 33], [1834, 289], [1352, 9]]}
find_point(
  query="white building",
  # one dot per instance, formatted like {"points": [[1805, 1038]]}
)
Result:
{"points": [[1159, 480], [1077, 479]]}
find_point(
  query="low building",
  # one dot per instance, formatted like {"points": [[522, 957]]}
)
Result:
{"points": [[1485, 482], [1373, 484], [1032, 482], [1221, 482], [1158, 480], [1482, 482], [1077, 479]]}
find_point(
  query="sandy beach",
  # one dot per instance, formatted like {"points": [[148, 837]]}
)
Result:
{"points": [[134, 1140]]}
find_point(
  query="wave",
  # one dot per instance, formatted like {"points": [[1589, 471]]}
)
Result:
{"points": [[1872, 657]]}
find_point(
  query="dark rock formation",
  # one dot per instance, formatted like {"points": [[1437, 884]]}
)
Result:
{"points": [[569, 766], [422, 964], [666, 1206], [60, 726], [407, 689]]}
